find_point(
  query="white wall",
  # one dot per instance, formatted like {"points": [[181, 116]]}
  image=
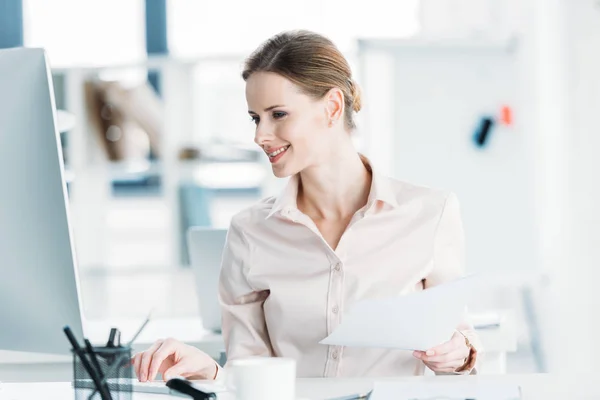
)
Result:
{"points": [[574, 294]]}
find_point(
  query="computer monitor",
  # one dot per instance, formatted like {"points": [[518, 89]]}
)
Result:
{"points": [[38, 277], [205, 251]]}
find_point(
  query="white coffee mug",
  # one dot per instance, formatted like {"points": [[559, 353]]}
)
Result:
{"points": [[262, 378]]}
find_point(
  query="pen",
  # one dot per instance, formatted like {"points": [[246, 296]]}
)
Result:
{"points": [[111, 338], [140, 329], [90, 370], [93, 357]]}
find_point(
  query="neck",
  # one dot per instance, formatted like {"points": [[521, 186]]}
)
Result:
{"points": [[336, 189]]}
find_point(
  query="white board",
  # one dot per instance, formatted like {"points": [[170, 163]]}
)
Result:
{"points": [[423, 102]]}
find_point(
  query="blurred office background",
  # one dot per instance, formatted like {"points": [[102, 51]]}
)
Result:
{"points": [[493, 99]]}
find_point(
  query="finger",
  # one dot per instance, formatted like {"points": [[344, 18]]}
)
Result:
{"points": [[165, 350], [446, 347], [137, 361], [418, 354], [444, 367], [459, 354], [147, 359], [138, 364]]}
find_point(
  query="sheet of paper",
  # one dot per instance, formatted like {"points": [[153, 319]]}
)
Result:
{"points": [[417, 321], [445, 390]]}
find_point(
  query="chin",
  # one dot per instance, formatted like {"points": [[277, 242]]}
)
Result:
{"points": [[281, 172]]}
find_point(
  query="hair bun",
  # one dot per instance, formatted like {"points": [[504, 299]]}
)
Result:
{"points": [[356, 95]]}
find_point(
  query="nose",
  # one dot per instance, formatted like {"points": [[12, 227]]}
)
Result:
{"points": [[263, 134]]}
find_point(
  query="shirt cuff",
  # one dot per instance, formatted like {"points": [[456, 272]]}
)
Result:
{"points": [[220, 374]]}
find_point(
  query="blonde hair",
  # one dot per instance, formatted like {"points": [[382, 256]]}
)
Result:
{"points": [[312, 62]]}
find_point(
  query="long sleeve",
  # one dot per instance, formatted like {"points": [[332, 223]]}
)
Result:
{"points": [[449, 264], [243, 321]]}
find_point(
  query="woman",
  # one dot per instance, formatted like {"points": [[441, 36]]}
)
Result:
{"points": [[340, 232]]}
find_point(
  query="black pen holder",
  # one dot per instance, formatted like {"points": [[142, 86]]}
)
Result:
{"points": [[115, 367]]}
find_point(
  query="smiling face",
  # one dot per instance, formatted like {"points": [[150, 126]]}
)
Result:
{"points": [[291, 127]]}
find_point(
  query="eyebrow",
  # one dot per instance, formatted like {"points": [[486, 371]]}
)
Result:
{"points": [[266, 109]]}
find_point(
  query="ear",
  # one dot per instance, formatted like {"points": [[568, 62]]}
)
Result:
{"points": [[334, 103]]}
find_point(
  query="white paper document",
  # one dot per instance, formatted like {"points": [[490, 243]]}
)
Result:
{"points": [[445, 390], [418, 321]]}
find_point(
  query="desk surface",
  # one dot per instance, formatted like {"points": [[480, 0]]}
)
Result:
{"points": [[534, 387]]}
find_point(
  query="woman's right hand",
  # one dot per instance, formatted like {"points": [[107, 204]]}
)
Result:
{"points": [[173, 358]]}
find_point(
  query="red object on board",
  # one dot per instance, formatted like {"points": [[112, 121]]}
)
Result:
{"points": [[506, 117]]}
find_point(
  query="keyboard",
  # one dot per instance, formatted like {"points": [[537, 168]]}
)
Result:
{"points": [[159, 386]]}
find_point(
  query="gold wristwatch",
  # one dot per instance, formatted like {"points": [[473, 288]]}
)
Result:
{"points": [[471, 358]]}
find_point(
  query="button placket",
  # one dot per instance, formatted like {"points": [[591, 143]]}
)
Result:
{"points": [[336, 294], [334, 299]]}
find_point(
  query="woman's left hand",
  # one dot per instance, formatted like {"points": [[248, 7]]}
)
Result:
{"points": [[448, 356]]}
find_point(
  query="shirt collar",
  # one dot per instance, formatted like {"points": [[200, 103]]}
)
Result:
{"points": [[381, 190], [287, 198]]}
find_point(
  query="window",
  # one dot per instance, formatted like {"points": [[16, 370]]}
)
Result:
{"points": [[237, 27], [76, 32], [234, 28]]}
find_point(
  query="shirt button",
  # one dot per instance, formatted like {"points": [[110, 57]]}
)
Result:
{"points": [[338, 266], [335, 309], [334, 355]]}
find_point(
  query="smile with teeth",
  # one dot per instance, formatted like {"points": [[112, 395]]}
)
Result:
{"points": [[278, 151]]}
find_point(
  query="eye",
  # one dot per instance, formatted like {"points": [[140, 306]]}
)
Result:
{"points": [[255, 119], [279, 114]]}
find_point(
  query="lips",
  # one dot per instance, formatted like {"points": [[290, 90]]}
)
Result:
{"points": [[276, 153]]}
